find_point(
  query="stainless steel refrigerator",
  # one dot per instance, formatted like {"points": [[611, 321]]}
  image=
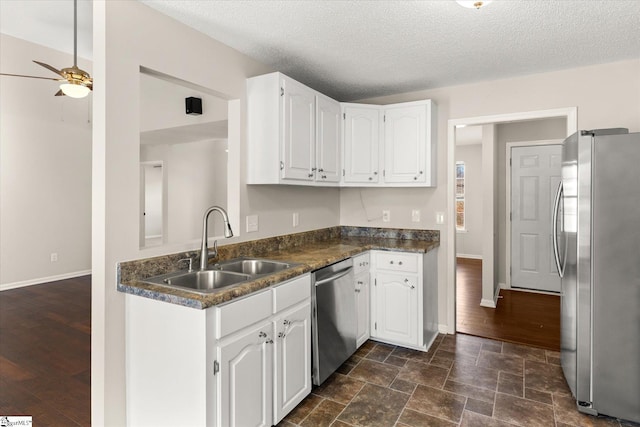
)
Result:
{"points": [[597, 251]]}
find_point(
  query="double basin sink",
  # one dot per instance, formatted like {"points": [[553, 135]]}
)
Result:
{"points": [[221, 275]]}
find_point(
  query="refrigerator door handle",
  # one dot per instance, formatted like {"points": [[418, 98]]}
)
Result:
{"points": [[556, 251]]}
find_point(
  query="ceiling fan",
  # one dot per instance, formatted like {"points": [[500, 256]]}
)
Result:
{"points": [[76, 83]]}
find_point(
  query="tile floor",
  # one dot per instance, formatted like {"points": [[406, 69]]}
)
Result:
{"points": [[461, 381]]}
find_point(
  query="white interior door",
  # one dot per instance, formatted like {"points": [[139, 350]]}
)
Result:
{"points": [[535, 175]]}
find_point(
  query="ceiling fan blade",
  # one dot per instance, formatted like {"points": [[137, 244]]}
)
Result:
{"points": [[59, 93], [30, 77], [49, 67]]}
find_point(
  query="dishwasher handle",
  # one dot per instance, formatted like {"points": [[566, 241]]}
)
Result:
{"points": [[339, 274]]}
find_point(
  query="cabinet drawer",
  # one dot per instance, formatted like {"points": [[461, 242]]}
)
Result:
{"points": [[395, 261], [236, 315], [291, 292], [361, 263]]}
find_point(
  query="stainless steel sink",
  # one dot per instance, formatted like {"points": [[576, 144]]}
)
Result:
{"points": [[222, 275], [252, 266], [206, 281]]}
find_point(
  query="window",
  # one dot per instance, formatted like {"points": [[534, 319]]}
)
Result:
{"points": [[460, 196]]}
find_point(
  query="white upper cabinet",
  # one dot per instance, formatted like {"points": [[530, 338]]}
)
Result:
{"points": [[297, 136], [405, 147], [396, 150], [328, 140], [298, 131], [294, 133], [361, 143]]}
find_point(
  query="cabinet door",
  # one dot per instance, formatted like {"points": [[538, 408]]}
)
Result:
{"points": [[362, 307], [246, 377], [298, 137], [328, 153], [405, 144], [292, 359], [396, 301], [361, 146]]}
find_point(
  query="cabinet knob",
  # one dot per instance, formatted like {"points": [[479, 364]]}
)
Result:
{"points": [[360, 283], [400, 263], [320, 170], [324, 176], [415, 178], [370, 179], [262, 335], [375, 173], [406, 280], [357, 291], [310, 175], [390, 262]]}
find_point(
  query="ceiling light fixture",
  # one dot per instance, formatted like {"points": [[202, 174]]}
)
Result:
{"points": [[473, 4]]}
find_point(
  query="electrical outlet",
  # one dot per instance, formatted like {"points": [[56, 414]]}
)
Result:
{"points": [[415, 215], [439, 217], [252, 223], [296, 219], [386, 216], [54, 257]]}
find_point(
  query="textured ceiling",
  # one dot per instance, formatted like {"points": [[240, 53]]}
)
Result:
{"points": [[358, 49]]}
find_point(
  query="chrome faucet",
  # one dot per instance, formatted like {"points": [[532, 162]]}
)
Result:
{"points": [[204, 249]]}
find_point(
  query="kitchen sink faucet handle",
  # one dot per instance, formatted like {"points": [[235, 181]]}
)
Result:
{"points": [[190, 259]]}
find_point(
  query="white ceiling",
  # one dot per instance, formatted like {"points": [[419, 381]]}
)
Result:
{"points": [[352, 49]]}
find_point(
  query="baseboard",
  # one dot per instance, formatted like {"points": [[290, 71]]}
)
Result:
{"points": [[41, 280], [485, 302], [492, 303], [469, 256], [443, 329]]}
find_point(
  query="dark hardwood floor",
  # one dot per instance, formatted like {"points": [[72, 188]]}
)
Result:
{"points": [[520, 317], [45, 352]]}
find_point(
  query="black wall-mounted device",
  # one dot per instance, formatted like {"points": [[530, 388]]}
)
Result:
{"points": [[193, 105]]}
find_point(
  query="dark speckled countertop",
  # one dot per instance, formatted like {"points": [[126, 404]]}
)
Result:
{"points": [[310, 250]]}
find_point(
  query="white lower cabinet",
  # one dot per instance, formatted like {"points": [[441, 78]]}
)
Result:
{"points": [[396, 301], [246, 377], [397, 298], [362, 280], [244, 363], [292, 359], [265, 369]]}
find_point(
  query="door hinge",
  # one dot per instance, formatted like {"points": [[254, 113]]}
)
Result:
{"points": [[384, 172], [375, 282], [510, 161], [216, 367], [375, 325], [384, 119], [281, 91], [344, 116], [342, 172]]}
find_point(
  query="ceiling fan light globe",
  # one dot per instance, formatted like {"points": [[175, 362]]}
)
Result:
{"points": [[74, 90], [473, 4]]}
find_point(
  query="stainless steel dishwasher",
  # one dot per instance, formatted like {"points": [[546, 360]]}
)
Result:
{"points": [[334, 318]]}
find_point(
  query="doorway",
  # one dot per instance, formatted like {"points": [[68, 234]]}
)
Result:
{"points": [[490, 273], [152, 187]]}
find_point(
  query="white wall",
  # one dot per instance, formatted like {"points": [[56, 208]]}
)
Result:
{"points": [[606, 95], [45, 170], [469, 242], [128, 35]]}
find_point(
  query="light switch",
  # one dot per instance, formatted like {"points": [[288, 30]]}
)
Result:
{"points": [[252, 223], [386, 216], [296, 219], [415, 215], [439, 217]]}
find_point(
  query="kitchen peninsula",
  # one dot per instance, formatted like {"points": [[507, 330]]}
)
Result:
{"points": [[242, 354]]}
